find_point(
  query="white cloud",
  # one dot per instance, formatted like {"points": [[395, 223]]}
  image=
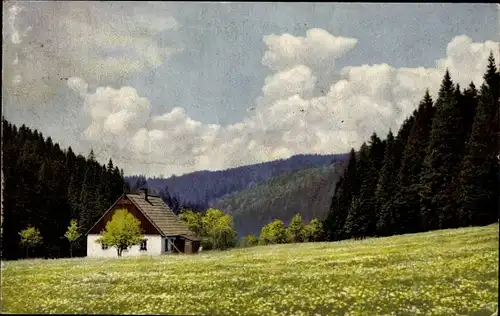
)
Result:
{"points": [[99, 43], [297, 80], [287, 119], [314, 50], [78, 85]]}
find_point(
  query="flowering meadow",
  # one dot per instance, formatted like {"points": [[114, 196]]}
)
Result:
{"points": [[449, 272]]}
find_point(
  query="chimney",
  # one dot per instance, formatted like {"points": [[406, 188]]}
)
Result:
{"points": [[144, 193]]}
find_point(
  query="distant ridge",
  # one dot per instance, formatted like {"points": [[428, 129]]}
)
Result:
{"points": [[307, 192], [204, 187]]}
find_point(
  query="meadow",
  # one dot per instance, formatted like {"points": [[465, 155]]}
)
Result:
{"points": [[449, 272]]}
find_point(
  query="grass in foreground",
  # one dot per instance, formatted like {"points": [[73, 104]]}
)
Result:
{"points": [[450, 272]]}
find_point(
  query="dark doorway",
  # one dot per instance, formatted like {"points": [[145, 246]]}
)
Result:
{"points": [[179, 245]]}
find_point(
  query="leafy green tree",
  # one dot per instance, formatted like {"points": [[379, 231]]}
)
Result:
{"points": [[223, 234], [274, 233], [250, 241], [314, 231], [296, 229], [72, 234], [122, 231], [219, 229], [194, 221], [30, 237]]}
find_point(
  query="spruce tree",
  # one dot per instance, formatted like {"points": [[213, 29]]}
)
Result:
{"points": [[478, 187], [356, 220], [386, 187], [368, 205], [88, 196], [469, 106], [441, 160], [411, 165], [345, 189]]}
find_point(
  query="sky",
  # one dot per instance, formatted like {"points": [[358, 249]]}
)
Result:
{"points": [[168, 88]]}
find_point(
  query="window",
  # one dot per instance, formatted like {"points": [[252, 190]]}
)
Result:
{"points": [[104, 246], [144, 245]]}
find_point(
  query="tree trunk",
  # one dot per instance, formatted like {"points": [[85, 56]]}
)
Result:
{"points": [[71, 250], [119, 251], [27, 252]]}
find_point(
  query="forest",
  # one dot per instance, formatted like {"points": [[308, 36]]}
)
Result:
{"points": [[46, 186], [440, 171]]}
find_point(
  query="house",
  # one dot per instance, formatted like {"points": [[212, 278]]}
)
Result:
{"points": [[163, 231]]}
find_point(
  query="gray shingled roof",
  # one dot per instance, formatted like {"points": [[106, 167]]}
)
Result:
{"points": [[162, 216]]}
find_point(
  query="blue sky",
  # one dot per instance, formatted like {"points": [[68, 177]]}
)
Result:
{"points": [[190, 86]]}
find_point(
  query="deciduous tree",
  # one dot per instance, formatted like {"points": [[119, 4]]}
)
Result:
{"points": [[274, 233], [122, 231], [296, 229], [30, 237], [314, 230], [72, 234]]}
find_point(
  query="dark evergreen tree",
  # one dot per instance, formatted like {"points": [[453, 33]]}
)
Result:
{"points": [[345, 189], [478, 183], [442, 159], [469, 106], [368, 202], [140, 183], [387, 219], [356, 224], [90, 205], [165, 196], [411, 166]]}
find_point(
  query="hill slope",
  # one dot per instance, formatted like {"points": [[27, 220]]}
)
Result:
{"points": [[307, 192], [201, 187], [449, 272]]}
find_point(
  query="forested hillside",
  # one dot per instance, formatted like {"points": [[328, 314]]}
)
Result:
{"points": [[306, 192], [46, 186], [440, 171], [197, 190]]}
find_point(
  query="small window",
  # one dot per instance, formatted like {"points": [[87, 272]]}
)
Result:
{"points": [[104, 246], [144, 245]]}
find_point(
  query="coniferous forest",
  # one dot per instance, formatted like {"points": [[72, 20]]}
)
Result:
{"points": [[441, 170], [45, 187]]}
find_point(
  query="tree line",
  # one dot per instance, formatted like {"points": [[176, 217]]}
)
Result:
{"points": [[45, 187], [297, 231], [216, 230], [440, 171]]}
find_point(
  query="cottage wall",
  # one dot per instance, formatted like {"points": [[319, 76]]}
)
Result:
{"points": [[155, 246]]}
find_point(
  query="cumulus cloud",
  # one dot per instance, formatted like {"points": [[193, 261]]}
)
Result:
{"points": [[288, 118], [45, 43], [317, 47]]}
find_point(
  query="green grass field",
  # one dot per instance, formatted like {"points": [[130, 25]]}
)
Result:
{"points": [[450, 272]]}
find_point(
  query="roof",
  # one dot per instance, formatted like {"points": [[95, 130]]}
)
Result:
{"points": [[161, 216]]}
